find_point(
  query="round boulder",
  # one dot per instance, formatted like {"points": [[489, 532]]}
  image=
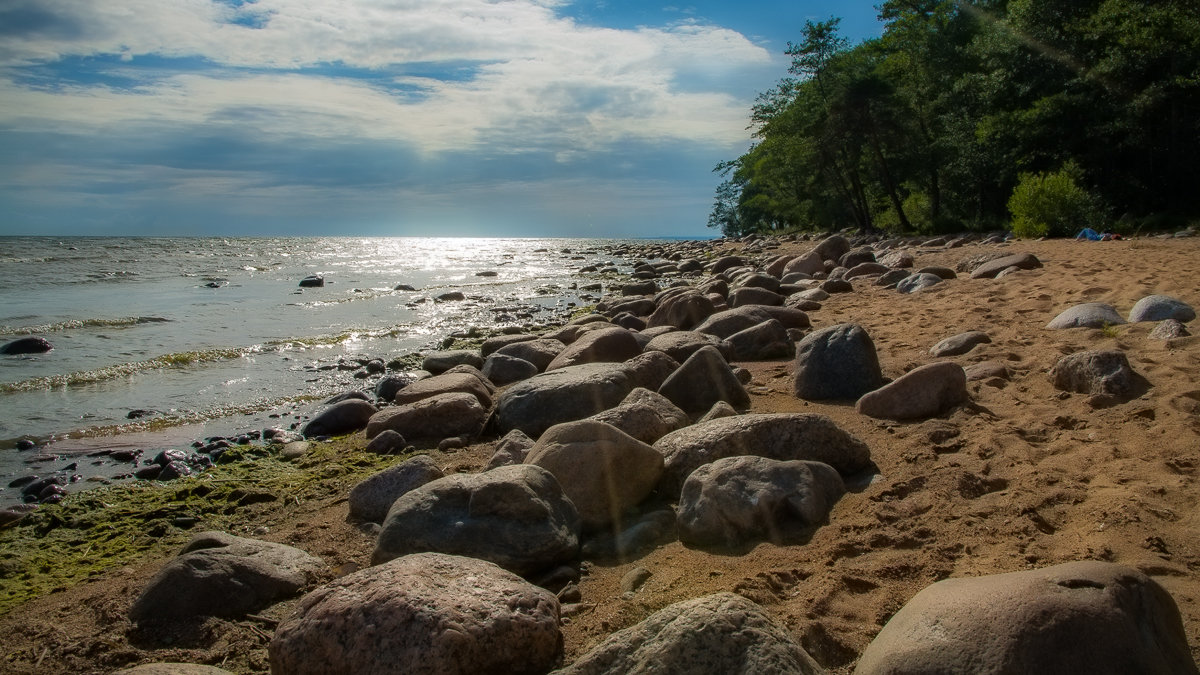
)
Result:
{"points": [[371, 498], [736, 500], [514, 516], [838, 362], [1161, 308], [1079, 617], [1086, 315], [1094, 372], [421, 614], [27, 345], [344, 417]]}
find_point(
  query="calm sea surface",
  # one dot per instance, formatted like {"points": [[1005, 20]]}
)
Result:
{"points": [[214, 335]]}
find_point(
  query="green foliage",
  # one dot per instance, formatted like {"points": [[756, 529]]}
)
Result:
{"points": [[935, 125], [1052, 204]]}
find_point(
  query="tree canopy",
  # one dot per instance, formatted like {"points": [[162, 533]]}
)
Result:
{"points": [[932, 126]]}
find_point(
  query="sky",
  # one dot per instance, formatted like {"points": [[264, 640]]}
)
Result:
{"points": [[520, 118]]}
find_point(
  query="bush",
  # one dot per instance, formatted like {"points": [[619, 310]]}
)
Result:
{"points": [[1053, 204]]}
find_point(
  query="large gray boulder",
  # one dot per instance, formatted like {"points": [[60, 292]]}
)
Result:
{"points": [[646, 415], [720, 634], [609, 345], [371, 498], [743, 499], [917, 282], [1079, 617], [446, 383], [750, 295], [1094, 372], [701, 381], [539, 352], [682, 310], [681, 344], [768, 340], [439, 362], [1161, 308], [989, 269], [650, 369], [343, 417], [514, 516], [562, 395], [922, 392], [422, 614], [1086, 315], [832, 247], [440, 416], [603, 471], [838, 362], [781, 436], [512, 449], [726, 323], [218, 574], [810, 263], [503, 369]]}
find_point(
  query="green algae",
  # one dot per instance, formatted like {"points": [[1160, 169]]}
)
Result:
{"points": [[101, 529]]}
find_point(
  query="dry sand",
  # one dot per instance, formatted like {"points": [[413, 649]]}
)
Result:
{"points": [[1024, 476]]}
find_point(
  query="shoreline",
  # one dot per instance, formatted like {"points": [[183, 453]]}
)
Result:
{"points": [[1022, 478]]}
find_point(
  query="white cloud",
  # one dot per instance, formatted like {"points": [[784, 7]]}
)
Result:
{"points": [[540, 81]]}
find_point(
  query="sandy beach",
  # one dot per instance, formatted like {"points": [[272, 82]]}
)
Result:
{"points": [[1022, 476]]}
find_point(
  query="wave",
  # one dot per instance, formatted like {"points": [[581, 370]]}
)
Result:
{"points": [[75, 324], [177, 360]]}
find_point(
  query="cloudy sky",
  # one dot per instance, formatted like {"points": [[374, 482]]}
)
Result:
{"points": [[382, 117]]}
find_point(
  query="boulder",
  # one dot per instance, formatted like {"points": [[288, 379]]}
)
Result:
{"points": [[726, 323], [866, 269], [986, 370], [421, 614], [682, 310], [810, 263], [893, 278], [644, 415], [738, 500], [503, 369], [446, 383], [989, 269], [608, 345], [758, 280], [1094, 372], [650, 369], [439, 362], [855, 257], [514, 516], [681, 344], [1086, 315], [386, 388], [897, 260], [1078, 617], [312, 281], [492, 344], [754, 296], [372, 497], [719, 409], [838, 362], [510, 450], [602, 470], [562, 395], [1161, 308], [387, 442], [218, 574], [1169, 329], [962, 343], [434, 418], [781, 436], [768, 340], [834, 286], [917, 282], [832, 247], [27, 345], [713, 635], [538, 352], [726, 262], [922, 392], [344, 417], [702, 380], [942, 272]]}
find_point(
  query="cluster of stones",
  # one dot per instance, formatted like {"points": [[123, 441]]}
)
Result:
{"points": [[621, 431]]}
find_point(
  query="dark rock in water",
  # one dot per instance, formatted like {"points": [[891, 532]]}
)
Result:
{"points": [[403, 287], [174, 470], [371, 498], [27, 345], [343, 417], [22, 481], [838, 362], [125, 455], [33, 490], [376, 366], [139, 413], [715, 634], [424, 613], [217, 574], [167, 456], [149, 472], [452, 296], [486, 273], [736, 500], [514, 516], [25, 444], [347, 395], [312, 281], [1078, 617], [12, 515]]}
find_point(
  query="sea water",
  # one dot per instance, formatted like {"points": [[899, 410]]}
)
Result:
{"points": [[215, 334]]}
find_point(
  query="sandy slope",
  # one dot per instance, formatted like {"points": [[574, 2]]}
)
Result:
{"points": [[1024, 476]]}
